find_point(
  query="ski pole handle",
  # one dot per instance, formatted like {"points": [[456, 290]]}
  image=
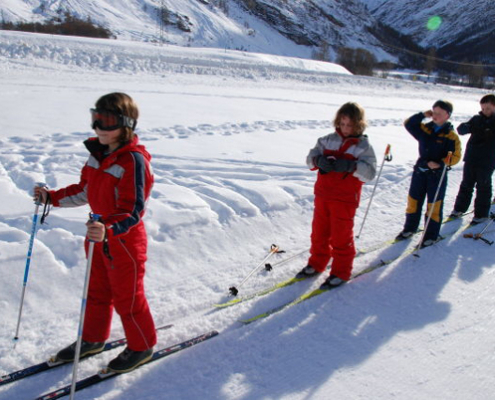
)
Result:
{"points": [[448, 159], [93, 218], [388, 154], [38, 201]]}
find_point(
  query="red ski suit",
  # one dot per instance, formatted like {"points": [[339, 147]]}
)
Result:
{"points": [[337, 196], [116, 186]]}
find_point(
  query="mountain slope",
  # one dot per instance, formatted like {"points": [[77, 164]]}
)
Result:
{"points": [[295, 28], [466, 30], [229, 140]]}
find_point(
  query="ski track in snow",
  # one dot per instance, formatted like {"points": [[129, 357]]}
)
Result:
{"points": [[193, 195]]}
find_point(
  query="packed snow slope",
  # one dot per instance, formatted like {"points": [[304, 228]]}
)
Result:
{"points": [[295, 28], [202, 22], [229, 134]]}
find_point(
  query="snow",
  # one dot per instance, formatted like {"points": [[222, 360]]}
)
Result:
{"points": [[229, 133], [138, 20], [410, 17]]}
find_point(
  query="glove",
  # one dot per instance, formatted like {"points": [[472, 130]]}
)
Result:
{"points": [[325, 164], [464, 128], [344, 165]]}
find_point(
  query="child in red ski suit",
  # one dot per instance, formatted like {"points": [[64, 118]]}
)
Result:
{"points": [[116, 182], [344, 161]]}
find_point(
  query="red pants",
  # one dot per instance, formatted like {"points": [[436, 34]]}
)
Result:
{"points": [[332, 237], [118, 283]]}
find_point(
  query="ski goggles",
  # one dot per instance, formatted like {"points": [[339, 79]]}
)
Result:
{"points": [[109, 121]]}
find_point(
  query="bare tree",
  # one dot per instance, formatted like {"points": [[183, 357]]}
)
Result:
{"points": [[431, 62], [323, 52], [357, 61]]}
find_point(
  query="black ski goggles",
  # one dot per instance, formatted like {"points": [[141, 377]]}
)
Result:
{"points": [[109, 121]]}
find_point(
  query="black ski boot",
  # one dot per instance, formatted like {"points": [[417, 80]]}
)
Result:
{"points": [[331, 282], [129, 360], [403, 236], [67, 354], [307, 272]]}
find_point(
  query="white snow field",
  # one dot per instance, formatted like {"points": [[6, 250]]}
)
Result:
{"points": [[229, 133]]}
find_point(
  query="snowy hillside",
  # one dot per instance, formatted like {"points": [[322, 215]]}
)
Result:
{"points": [[411, 17], [276, 27], [294, 28], [465, 31], [229, 133], [204, 25]]}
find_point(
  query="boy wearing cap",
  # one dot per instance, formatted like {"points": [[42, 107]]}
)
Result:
{"points": [[435, 139], [479, 162]]}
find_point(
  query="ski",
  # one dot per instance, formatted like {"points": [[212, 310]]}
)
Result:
{"points": [[105, 374], [52, 363], [237, 300], [316, 292], [395, 241], [293, 280]]}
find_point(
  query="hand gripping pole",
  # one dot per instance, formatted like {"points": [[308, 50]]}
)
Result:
{"points": [[446, 166]]}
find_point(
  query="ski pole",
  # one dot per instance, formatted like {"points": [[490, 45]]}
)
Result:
{"points": [[269, 266], [273, 249], [430, 213], [93, 217], [386, 157], [37, 203], [480, 235]]}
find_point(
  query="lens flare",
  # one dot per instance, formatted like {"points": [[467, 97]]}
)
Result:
{"points": [[434, 23]]}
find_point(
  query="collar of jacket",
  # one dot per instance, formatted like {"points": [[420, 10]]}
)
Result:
{"points": [[445, 128], [489, 119], [98, 150], [356, 137]]}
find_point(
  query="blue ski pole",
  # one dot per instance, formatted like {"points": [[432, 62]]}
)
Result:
{"points": [[94, 217], [37, 203]]}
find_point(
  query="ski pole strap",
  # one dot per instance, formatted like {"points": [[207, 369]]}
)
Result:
{"points": [[479, 237], [275, 249], [46, 210]]}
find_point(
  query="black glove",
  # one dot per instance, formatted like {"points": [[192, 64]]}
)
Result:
{"points": [[324, 163], [464, 128], [344, 165]]}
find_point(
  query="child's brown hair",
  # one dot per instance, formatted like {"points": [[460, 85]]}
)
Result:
{"points": [[120, 103], [489, 98], [355, 113]]}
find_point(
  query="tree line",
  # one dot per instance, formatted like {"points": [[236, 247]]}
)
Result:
{"points": [[66, 24]]}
